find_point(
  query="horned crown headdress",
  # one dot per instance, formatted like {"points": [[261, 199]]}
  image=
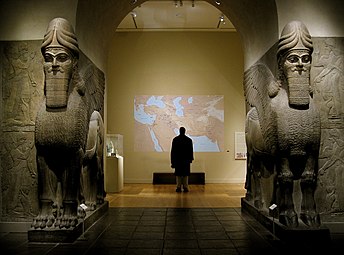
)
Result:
{"points": [[60, 33], [294, 36]]}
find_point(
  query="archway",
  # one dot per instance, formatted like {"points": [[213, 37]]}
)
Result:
{"points": [[246, 20]]}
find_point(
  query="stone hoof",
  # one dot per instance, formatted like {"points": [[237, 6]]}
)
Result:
{"points": [[310, 219], [68, 222], [258, 204], [43, 222], [289, 219]]}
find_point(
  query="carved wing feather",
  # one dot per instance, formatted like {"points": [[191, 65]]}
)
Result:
{"points": [[94, 82], [260, 86]]}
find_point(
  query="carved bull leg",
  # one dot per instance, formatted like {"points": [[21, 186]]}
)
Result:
{"points": [[308, 214], [71, 180], [47, 199], [248, 181], [287, 214], [92, 178], [257, 178]]}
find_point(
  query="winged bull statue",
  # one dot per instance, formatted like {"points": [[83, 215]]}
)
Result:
{"points": [[283, 128], [69, 134]]}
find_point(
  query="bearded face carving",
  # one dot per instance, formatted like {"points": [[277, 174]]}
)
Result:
{"points": [[296, 69], [58, 69]]}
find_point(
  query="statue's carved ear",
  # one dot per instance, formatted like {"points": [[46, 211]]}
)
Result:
{"points": [[273, 88]]}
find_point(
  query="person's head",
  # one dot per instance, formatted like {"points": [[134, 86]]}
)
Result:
{"points": [[182, 130], [294, 61], [60, 51]]}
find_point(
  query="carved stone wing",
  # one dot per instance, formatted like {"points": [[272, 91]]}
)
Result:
{"points": [[94, 82], [260, 86]]}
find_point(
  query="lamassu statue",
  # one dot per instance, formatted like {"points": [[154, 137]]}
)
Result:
{"points": [[283, 127], [69, 131]]}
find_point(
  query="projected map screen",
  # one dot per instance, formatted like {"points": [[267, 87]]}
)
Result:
{"points": [[158, 118]]}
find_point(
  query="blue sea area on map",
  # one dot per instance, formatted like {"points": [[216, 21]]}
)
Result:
{"points": [[143, 117], [156, 101]]}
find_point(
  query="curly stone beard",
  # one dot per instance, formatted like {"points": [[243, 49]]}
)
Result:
{"points": [[298, 88], [56, 86], [296, 69]]}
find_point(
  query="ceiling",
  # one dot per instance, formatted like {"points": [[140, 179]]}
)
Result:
{"points": [[175, 15]]}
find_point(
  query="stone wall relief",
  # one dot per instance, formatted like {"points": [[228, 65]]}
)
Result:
{"points": [[22, 90]]}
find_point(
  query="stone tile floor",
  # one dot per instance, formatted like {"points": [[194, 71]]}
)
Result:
{"points": [[169, 231]]}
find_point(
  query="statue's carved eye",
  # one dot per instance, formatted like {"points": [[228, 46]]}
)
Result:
{"points": [[293, 59], [62, 57], [48, 58], [306, 58]]}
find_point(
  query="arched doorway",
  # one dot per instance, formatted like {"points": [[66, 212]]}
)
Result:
{"points": [[104, 44]]}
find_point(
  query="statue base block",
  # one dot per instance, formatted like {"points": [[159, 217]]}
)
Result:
{"points": [[300, 235], [56, 235]]}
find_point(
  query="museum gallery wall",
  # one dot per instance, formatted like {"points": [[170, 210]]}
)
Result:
{"points": [[22, 81]]}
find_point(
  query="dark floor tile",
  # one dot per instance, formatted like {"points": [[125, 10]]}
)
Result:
{"points": [[237, 228], [105, 251], [111, 243], [144, 244], [229, 217], [204, 217], [180, 228], [117, 235], [150, 229], [180, 236], [239, 235], [139, 251], [155, 211], [153, 217], [181, 252], [71, 250], [148, 235], [121, 228], [125, 222], [219, 235], [206, 222], [229, 251], [126, 218], [181, 244], [152, 223], [216, 244], [207, 228]]}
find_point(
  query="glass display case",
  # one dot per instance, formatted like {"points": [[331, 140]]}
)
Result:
{"points": [[114, 164], [114, 145]]}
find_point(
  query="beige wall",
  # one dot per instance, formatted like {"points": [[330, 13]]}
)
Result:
{"points": [[174, 63]]}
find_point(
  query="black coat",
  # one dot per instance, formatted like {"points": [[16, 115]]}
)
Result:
{"points": [[181, 155]]}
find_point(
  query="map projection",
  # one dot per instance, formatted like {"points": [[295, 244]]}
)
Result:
{"points": [[158, 119]]}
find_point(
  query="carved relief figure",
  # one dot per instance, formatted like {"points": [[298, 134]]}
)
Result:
{"points": [[67, 125], [19, 85], [287, 122]]}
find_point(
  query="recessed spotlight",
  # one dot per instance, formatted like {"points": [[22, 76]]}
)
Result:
{"points": [[218, 2]]}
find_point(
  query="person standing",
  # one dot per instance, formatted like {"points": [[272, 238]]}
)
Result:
{"points": [[181, 159]]}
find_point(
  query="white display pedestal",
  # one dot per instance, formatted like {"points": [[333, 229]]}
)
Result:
{"points": [[114, 174]]}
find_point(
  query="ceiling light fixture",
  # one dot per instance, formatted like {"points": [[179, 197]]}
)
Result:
{"points": [[221, 20], [134, 15], [218, 2]]}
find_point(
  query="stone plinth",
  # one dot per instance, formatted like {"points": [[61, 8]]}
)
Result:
{"points": [[300, 235], [57, 235]]}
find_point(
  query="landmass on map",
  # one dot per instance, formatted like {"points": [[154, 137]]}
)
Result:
{"points": [[158, 118]]}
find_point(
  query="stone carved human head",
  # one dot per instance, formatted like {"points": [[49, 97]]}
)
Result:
{"points": [[294, 60], [60, 51]]}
